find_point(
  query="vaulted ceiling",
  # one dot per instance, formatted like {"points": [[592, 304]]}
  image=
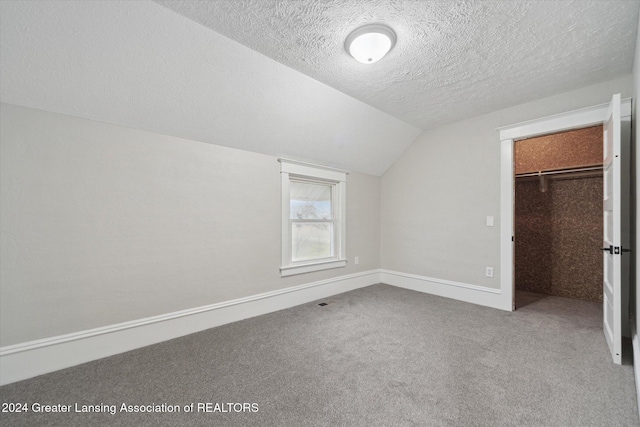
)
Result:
{"points": [[272, 76], [452, 59]]}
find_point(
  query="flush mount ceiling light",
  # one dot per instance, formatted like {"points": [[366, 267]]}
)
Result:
{"points": [[370, 43]]}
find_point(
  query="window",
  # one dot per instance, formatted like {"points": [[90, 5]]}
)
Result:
{"points": [[313, 218]]}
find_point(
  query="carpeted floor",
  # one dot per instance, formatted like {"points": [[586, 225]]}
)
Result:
{"points": [[378, 356]]}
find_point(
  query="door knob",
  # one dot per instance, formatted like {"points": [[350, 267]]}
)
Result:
{"points": [[610, 249]]}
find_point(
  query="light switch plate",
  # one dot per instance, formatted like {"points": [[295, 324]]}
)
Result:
{"points": [[489, 221]]}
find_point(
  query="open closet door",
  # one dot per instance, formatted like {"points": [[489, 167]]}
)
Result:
{"points": [[612, 275]]}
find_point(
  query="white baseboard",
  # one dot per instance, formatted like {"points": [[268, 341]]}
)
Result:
{"points": [[474, 294], [29, 359], [636, 359], [26, 360]]}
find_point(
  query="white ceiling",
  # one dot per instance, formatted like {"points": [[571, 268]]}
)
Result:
{"points": [[453, 59], [273, 77]]}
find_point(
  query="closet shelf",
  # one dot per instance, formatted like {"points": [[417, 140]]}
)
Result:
{"points": [[575, 172]]}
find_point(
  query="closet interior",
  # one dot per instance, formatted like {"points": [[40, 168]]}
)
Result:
{"points": [[558, 214]]}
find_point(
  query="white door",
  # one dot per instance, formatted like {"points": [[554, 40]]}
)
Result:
{"points": [[612, 293]]}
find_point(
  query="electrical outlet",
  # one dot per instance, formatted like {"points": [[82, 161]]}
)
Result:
{"points": [[356, 261], [489, 272]]}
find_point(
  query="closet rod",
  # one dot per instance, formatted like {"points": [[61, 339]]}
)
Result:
{"points": [[560, 171]]}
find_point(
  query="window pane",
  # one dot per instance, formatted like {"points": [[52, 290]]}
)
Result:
{"points": [[310, 201], [311, 241]]}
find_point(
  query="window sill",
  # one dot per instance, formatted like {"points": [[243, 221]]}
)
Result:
{"points": [[291, 270]]}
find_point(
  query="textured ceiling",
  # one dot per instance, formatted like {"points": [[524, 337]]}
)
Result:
{"points": [[453, 59], [273, 77]]}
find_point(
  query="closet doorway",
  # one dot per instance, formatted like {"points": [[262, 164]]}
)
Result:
{"points": [[615, 117], [558, 217]]}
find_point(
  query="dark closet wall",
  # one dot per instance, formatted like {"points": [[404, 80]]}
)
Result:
{"points": [[559, 231], [558, 236], [580, 147]]}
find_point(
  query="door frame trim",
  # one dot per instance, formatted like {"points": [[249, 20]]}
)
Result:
{"points": [[575, 119]]}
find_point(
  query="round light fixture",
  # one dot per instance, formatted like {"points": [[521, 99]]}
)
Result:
{"points": [[370, 43]]}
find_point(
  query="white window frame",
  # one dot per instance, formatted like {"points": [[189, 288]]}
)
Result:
{"points": [[291, 170]]}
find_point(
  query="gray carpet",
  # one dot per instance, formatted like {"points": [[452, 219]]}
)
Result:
{"points": [[378, 356]]}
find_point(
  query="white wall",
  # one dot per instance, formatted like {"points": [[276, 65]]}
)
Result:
{"points": [[102, 224], [635, 137], [436, 196]]}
